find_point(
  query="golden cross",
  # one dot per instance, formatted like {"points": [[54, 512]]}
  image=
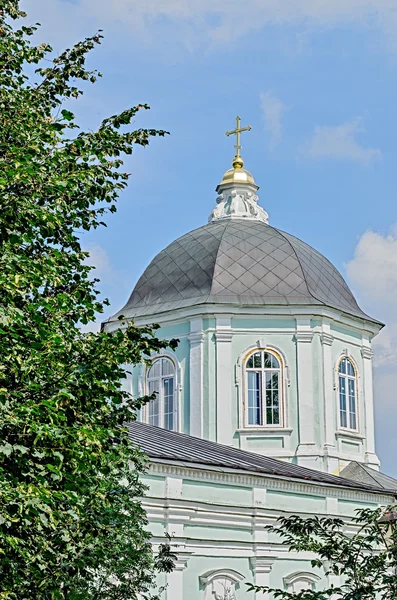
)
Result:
{"points": [[237, 132]]}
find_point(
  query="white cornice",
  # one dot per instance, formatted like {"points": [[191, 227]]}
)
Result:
{"points": [[233, 476], [265, 432], [351, 435], [210, 310]]}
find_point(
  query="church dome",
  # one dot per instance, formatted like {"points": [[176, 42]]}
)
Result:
{"points": [[239, 262]]}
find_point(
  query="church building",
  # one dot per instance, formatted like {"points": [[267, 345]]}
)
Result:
{"points": [[266, 406]]}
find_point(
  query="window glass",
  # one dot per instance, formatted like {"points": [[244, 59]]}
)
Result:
{"points": [[168, 389], [167, 367], [347, 395], [154, 370], [154, 412], [271, 361], [272, 404], [254, 398], [352, 403], [161, 379], [350, 368], [342, 400], [263, 390]]}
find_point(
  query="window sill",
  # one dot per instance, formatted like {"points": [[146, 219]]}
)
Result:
{"points": [[349, 434], [266, 430]]}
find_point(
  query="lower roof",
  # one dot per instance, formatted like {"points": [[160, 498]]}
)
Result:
{"points": [[360, 473], [172, 447]]}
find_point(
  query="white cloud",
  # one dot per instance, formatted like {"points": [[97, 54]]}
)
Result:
{"points": [[221, 21], [339, 143], [373, 273], [273, 110], [99, 259], [373, 269], [385, 396]]}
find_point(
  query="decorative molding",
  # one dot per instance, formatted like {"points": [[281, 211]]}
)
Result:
{"points": [[270, 482], [301, 576], [238, 202], [196, 338], [211, 310], [230, 574], [367, 353], [349, 434], [262, 564], [327, 339], [254, 431], [181, 561], [224, 335], [304, 337]]}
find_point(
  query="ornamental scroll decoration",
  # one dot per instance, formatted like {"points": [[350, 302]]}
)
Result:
{"points": [[221, 585], [238, 204]]}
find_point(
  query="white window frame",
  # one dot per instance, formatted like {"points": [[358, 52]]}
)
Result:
{"points": [[177, 388], [347, 377], [281, 390], [214, 581], [300, 577]]}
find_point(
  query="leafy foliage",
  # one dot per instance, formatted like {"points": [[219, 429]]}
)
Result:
{"points": [[364, 555], [71, 524]]}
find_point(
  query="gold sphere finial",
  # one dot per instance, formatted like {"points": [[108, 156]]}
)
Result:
{"points": [[238, 162]]}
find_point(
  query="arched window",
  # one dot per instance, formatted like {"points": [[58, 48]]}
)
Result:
{"points": [[160, 378], [347, 394], [264, 401], [221, 585], [298, 582]]}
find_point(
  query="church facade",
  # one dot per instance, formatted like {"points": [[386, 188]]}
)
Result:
{"points": [[266, 401]]}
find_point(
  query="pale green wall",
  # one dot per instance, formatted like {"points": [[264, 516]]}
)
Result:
{"points": [[279, 333], [213, 492], [296, 502], [226, 540]]}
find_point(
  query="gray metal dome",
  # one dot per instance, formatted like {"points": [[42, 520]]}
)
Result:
{"points": [[241, 263]]}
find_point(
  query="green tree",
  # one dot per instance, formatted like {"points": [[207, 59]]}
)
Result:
{"points": [[71, 523], [364, 556]]}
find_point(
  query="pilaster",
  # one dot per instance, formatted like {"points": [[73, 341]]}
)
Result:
{"points": [[333, 580], [173, 490], [174, 590], [224, 380], [196, 339], [329, 399], [307, 451], [261, 567], [370, 456]]}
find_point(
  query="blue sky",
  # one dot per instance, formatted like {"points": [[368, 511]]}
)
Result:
{"points": [[316, 80]]}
